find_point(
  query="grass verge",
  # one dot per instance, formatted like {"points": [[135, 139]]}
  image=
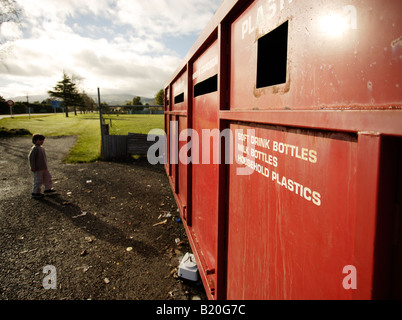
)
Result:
{"points": [[86, 127]]}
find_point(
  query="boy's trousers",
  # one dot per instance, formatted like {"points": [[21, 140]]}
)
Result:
{"points": [[42, 177]]}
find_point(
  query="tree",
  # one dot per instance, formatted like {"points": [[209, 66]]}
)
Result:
{"points": [[89, 103], [3, 106], [67, 91], [137, 101], [47, 101], [159, 98], [10, 13]]}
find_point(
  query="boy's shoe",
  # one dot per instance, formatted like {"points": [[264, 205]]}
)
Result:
{"points": [[37, 195], [49, 192]]}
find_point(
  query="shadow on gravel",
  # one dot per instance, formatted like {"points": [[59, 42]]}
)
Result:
{"points": [[15, 150], [96, 227]]}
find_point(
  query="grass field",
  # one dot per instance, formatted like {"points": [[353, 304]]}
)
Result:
{"points": [[86, 127]]}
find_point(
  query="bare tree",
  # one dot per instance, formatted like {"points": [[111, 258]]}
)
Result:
{"points": [[10, 11]]}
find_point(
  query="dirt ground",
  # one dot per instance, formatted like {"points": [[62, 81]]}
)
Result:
{"points": [[99, 231]]}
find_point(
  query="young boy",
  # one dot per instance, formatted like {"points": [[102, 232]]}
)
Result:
{"points": [[38, 164]]}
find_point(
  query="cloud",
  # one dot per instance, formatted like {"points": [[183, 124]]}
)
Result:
{"points": [[158, 18], [62, 9], [117, 45], [10, 31]]}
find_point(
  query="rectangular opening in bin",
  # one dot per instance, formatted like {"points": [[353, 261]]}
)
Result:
{"points": [[272, 57], [179, 98], [207, 86]]}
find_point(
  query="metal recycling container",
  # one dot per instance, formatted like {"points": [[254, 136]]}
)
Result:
{"points": [[284, 149]]}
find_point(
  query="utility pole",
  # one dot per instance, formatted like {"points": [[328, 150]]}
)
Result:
{"points": [[29, 109], [101, 120]]}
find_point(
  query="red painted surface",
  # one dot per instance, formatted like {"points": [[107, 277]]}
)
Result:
{"points": [[179, 89], [341, 55], [291, 221], [205, 175], [331, 124]]}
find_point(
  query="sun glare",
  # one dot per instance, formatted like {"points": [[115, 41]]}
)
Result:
{"points": [[333, 25]]}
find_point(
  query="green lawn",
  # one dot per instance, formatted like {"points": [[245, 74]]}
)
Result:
{"points": [[86, 127]]}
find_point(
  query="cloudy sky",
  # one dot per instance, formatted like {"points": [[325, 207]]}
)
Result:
{"points": [[121, 46]]}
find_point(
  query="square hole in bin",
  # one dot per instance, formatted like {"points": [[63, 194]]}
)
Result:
{"points": [[207, 86], [179, 98], [272, 57]]}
